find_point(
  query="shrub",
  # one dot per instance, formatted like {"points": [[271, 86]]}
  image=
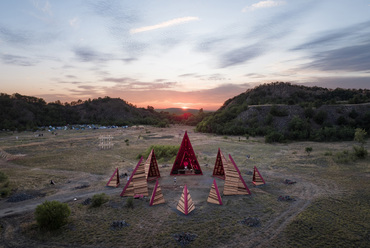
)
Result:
{"points": [[308, 150], [359, 151], [129, 203], [52, 215], [274, 137], [4, 185], [3, 177], [165, 152], [98, 200], [343, 157]]}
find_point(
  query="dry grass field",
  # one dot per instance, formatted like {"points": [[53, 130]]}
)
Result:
{"points": [[331, 206]]}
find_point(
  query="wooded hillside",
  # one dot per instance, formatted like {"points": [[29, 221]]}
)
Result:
{"points": [[283, 111]]}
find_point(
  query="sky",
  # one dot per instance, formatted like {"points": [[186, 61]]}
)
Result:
{"points": [[174, 53]]}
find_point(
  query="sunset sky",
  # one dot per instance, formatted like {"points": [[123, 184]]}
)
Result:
{"points": [[174, 53]]}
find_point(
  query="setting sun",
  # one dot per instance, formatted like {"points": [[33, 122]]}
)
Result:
{"points": [[184, 108]]}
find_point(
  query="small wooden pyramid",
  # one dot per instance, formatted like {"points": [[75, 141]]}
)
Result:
{"points": [[114, 179], [157, 196], [137, 184], [214, 195], [151, 167], [257, 178], [234, 182], [220, 165], [185, 204]]}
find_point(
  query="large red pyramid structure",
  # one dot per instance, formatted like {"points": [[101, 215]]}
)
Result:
{"points": [[220, 165], [151, 167], [137, 184], [186, 163], [257, 177]]}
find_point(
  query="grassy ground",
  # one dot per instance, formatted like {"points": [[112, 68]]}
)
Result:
{"points": [[331, 207]]}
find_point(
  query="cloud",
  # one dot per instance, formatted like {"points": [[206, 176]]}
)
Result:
{"points": [[349, 58], [43, 6], [340, 82], [263, 4], [15, 37], [328, 38], [169, 23], [345, 49], [74, 22], [17, 60], [241, 55], [88, 54], [126, 83]]}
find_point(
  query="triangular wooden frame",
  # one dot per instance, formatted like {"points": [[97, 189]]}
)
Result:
{"points": [[234, 182], [137, 184], [186, 158], [157, 196], [257, 178], [214, 195], [151, 167], [220, 164], [114, 179], [185, 204]]}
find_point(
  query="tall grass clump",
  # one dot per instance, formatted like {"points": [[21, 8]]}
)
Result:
{"points": [[4, 185], [98, 200], [162, 152]]}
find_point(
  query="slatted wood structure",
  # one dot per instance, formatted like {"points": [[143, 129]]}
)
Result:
{"points": [[185, 204], [114, 179], [257, 178], [214, 195], [151, 167], [137, 184], [186, 162], [157, 196], [220, 164], [234, 182]]}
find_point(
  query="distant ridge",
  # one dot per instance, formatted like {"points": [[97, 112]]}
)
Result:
{"points": [[180, 111]]}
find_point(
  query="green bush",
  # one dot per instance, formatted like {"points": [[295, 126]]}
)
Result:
{"points": [[274, 137], [359, 151], [130, 202], [163, 152], [51, 215], [3, 177], [4, 185], [344, 157], [98, 200]]}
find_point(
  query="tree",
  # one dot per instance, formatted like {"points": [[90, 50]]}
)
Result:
{"points": [[308, 150], [52, 215]]}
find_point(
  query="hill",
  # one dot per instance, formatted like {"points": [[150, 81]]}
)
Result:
{"points": [[19, 112], [178, 111], [283, 111]]}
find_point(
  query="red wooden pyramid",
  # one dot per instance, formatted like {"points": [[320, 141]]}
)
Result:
{"points": [[214, 195], [257, 178], [185, 204], [220, 165], [186, 163], [137, 184], [114, 179], [234, 182], [151, 167], [157, 196]]}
